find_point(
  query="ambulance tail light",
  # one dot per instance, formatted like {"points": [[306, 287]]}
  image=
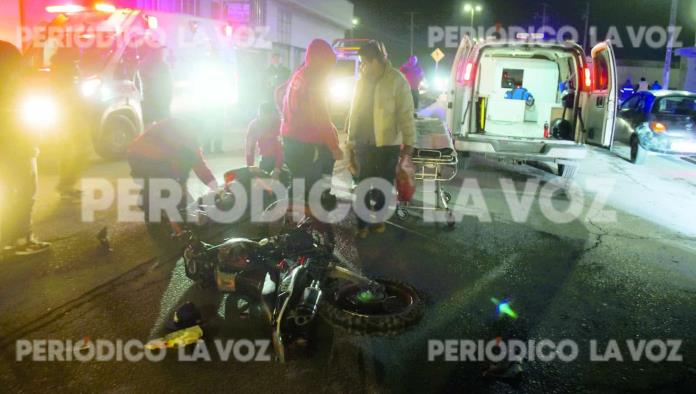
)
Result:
{"points": [[465, 73], [587, 80]]}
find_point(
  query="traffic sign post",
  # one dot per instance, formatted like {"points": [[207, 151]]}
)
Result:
{"points": [[437, 55]]}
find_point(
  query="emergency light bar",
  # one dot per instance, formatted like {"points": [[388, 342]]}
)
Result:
{"points": [[65, 9], [104, 7], [530, 36], [76, 8]]}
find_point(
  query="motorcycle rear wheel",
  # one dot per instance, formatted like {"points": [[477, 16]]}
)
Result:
{"points": [[391, 313]]}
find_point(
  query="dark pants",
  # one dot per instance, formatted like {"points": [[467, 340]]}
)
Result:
{"points": [[149, 170], [75, 151], [155, 110], [310, 162], [376, 162], [416, 98], [19, 180], [267, 164]]}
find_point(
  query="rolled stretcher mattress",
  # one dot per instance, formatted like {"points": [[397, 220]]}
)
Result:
{"points": [[431, 134]]}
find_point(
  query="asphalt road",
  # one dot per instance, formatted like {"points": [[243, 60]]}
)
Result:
{"points": [[630, 274]]}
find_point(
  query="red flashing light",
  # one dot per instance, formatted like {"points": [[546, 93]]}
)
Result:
{"points": [[465, 73]]}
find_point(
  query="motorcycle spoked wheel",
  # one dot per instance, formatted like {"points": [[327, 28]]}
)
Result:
{"points": [[363, 312]]}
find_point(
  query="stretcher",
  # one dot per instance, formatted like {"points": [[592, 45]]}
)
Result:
{"points": [[435, 160]]}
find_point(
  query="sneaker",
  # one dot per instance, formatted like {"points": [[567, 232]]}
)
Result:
{"points": [[379, 228], [30, 247], [363, 233]]}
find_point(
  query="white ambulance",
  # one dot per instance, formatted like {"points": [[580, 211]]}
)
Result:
{"points": [[529, 100]]}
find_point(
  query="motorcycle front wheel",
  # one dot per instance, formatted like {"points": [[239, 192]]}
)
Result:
{"points": [[386, 311]]}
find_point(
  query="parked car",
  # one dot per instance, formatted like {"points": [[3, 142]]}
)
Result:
{"points": [[659, 122], [529, 100]]}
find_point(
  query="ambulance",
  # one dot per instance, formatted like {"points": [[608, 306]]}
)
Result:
{"points": [[529, 100]]}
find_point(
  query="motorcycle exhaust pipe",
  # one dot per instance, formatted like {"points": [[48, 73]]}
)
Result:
{"points": [[309, 304]]}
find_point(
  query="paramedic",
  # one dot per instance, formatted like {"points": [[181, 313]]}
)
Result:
{"points": [[310, 139], [627, 90]]}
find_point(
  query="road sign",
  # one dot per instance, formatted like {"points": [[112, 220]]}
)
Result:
{"points": [[437, 55]]}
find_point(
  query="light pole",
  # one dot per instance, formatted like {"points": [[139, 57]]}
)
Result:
{"points": [[472, 9], [670, 44]]}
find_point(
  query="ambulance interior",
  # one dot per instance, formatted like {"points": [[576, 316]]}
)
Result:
{"points": [[520, 90]]}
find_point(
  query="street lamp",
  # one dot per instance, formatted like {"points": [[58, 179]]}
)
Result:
{"points": [[355, 22], [472, 9]]}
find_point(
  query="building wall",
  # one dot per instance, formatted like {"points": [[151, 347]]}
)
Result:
{"points": [[310, 19], [651, 70], [9, 21]]}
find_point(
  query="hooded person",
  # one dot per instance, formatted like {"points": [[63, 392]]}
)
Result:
{"points": [[310, 139], [18, 170], [414, 75]]}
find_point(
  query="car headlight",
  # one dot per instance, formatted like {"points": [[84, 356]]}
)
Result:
{"points": [[39, 112], [441, 84], [341, 90], [213, 85], [90, 87]]}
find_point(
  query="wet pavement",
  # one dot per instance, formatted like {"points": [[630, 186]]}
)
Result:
{"points": [[591, 279]]}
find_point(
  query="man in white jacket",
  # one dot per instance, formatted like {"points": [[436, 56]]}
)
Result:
{"points": [[380, 126]]}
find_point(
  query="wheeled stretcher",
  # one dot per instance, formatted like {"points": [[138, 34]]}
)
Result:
{"points": [[435, 160]]}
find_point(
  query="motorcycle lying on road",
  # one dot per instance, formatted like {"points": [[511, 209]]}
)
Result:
{"points": [[295, 276]]}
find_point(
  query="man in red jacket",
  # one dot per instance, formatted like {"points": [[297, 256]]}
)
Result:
{"points": [[414, 75], [310, 138]]}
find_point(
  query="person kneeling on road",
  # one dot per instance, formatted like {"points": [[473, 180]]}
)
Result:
{"points": [[380, 126], [168, 150]]}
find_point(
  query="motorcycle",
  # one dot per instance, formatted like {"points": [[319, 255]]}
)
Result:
{"points": [[296, 277]]}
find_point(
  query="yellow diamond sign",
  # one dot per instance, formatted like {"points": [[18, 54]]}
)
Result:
{"points": [[437, 55]]}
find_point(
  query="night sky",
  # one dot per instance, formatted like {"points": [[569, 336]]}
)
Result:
{"points": [[387, 20]]}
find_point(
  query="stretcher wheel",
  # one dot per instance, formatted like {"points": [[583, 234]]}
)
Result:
{"points": [[447, 196], [450, 220], [401, 213]]}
